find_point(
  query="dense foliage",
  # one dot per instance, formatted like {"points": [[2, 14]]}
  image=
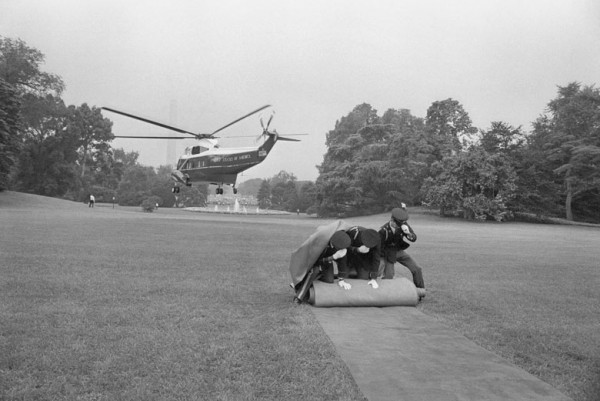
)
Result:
{"points": [[568, 140], [10, 118], [49, 148], [284, 192], [373, 163]]}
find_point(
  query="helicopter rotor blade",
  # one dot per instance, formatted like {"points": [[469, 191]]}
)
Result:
{"points": [[269, 122], [181, 131], [284, 138], [254, 136], [239, 119], [151, 137]]}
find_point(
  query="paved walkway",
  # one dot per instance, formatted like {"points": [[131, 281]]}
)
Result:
{"points": [[401, 354]]}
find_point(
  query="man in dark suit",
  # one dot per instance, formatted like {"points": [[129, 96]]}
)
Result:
{"points": [[393, 244], [321, 267], [364, 254]]}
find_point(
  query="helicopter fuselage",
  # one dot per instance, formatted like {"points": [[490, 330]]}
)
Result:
{"points": [[219, 166], [207, 162]]}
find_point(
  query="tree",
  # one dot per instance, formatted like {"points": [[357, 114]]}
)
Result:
{"points": [[283, 177], [570, 136], [535, 188], [264, 195], [338, 191], [46, 163], [123, 160], [94, 133], [136, 185], [250, 187], [20, 67], [448, 127], [382, 163], [162, 186], [361, 116], [307, 196], [474, 182], [502, 138], [105, 178], [283, 191], [10, 120], [409, 156], [538, 190], [195, 195]]}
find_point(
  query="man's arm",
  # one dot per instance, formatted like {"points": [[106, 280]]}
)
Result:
{"points": [[408, 232]]}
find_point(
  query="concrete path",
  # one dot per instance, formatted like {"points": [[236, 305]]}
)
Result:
{"points": [[401, 354]]}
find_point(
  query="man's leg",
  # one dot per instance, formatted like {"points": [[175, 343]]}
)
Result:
{"points": [[362, 273], [404, 259], [389, 258], [317, 272], [327, 273], [310, 277]]}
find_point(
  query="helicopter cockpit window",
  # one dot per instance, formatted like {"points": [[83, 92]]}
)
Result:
{"points": [[198, 149]]}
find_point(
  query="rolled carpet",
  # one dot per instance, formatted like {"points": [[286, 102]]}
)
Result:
{"points": [[396, 292]]}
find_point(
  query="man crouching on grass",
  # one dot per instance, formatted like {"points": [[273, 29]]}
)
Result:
{"points": [[323, 269], [393, 247], [314, 259], [364, 254]]}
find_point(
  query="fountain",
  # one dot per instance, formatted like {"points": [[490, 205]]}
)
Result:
{"points": [[233, 208]]}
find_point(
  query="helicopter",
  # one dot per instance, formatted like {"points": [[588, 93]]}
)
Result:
{"points": [[209, 163]]}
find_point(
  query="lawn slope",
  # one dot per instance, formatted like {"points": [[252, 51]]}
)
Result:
{"points": [[104, 303]]}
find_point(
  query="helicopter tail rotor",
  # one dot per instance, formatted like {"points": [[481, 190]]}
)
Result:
{"points": [[265, 129]]}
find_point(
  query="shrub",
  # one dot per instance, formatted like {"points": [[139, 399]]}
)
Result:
{"points": [[148, 205]]}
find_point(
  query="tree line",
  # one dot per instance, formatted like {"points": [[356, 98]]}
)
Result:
{"points": [[53, 149], [373, 162]]}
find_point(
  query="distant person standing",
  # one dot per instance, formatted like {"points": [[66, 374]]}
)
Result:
{"points": [[92, 201], [393, 244]]}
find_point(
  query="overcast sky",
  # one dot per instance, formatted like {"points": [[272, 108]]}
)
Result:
{"points": [[312, 60]]}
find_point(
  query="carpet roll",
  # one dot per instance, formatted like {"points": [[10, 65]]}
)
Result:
{"points": [[396, 292]]}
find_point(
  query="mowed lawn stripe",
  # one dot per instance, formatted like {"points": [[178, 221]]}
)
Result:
{"points": [[120, 304], [102, 304]]}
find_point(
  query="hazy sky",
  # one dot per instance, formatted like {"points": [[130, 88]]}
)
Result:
{"points": [[313, 60]]}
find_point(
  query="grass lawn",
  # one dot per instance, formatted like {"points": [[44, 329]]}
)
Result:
{"points": [[116, 304]]}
